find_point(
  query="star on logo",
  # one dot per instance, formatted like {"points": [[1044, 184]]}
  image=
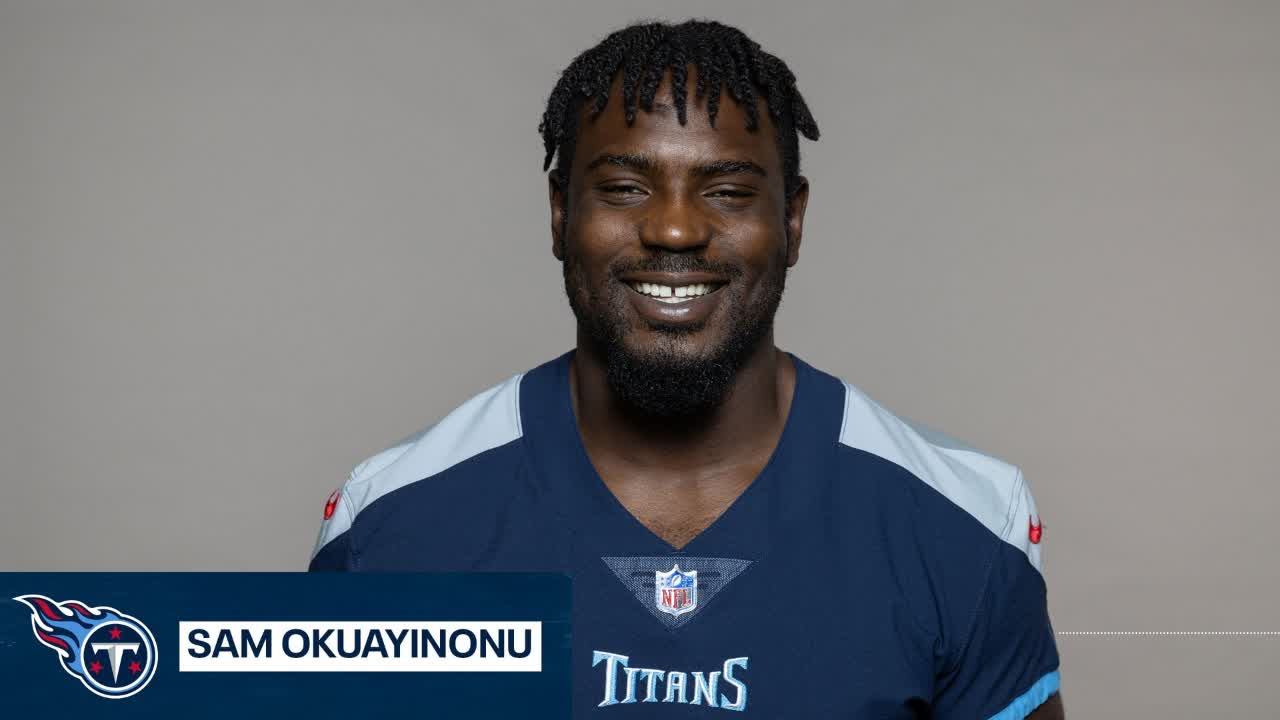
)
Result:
{"points": [[115, 633], [134, 667], [95, 667]]}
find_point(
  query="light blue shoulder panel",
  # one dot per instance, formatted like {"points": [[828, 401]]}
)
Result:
{"points": [[989, 489], [484, 422]]}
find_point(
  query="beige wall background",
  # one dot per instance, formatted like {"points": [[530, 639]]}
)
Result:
{"points": [[245, 244]]}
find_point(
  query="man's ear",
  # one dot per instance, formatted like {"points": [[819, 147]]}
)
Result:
{"points": [[558, 196], [796, 205]]}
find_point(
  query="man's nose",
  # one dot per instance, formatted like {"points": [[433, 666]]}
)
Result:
{"points": [[676, 225]]}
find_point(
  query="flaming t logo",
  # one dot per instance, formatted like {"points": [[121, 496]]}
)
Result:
{"points": [[81, 634]]}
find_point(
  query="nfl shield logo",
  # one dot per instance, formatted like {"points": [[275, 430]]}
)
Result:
{"points": [[676, 592]]}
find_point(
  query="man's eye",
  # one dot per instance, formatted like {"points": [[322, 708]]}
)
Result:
{"points": [[621, 189], [728, 192]]}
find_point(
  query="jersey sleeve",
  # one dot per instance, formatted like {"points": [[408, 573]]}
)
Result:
{"points": [[1008, 665], [333, 557]]}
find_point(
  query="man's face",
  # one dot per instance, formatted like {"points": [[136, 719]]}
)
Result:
{"points": [[675, 247]]}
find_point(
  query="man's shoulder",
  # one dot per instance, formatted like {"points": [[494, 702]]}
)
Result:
{"points": [[467, 440], [487, 420], [986, 488]]}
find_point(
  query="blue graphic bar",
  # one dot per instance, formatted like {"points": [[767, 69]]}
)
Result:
{"points": [[271, 645]]}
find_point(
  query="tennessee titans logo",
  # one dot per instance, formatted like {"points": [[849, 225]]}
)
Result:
{"points": [[675, 592], [113, 654]]}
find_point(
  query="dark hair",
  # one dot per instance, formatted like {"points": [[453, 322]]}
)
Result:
{"points": [[643, 53]]}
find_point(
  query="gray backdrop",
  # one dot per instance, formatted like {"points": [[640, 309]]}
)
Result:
{"points": [[247, 244]]}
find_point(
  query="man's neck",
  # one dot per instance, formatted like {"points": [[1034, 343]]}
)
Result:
{"points": [[746, 424]]}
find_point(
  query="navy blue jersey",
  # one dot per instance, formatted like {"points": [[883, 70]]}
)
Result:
{"points": [[872, 570]]}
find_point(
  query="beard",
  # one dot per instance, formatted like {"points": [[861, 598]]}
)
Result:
{"points": [[668, 380]]}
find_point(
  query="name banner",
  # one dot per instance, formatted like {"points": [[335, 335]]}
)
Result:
{"points": [[360, 646], [331, 645]]}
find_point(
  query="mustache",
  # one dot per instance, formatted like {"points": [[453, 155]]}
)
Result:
{"points": [[673, 263]]}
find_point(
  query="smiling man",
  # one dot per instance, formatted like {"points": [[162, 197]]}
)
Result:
{"points": [[745, 532]]}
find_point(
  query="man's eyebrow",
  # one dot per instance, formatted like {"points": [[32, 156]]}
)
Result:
{"points": [[629, 161], [646, 163], [729, 167]]}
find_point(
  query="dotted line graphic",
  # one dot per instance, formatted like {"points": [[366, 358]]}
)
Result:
{"points": [[1171, 632]]}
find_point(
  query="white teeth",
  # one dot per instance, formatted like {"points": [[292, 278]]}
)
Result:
{"points": [[670, 294]]}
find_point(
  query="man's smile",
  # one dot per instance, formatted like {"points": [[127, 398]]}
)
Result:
{"points": [[675, 295], [676, 303], [674, 298]]}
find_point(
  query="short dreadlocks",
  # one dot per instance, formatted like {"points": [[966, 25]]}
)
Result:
{"points": [[643, 53]]}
